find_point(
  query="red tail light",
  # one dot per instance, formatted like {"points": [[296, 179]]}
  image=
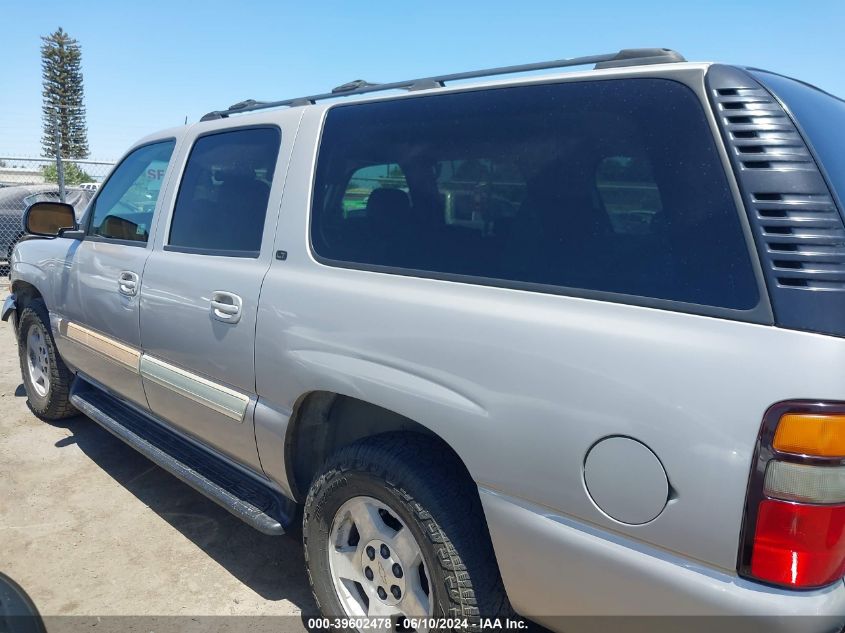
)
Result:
{"points": [[794, 528], [799, 545]]}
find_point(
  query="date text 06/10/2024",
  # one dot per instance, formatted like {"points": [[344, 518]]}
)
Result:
{"points": [[414, 623]]}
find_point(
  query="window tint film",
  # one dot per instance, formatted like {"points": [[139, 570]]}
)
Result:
{"points": [[222, 202], [124, 208], [629, 194], [611, 186], [367, 179]]}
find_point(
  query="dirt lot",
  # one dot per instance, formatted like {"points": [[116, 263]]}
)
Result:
{"points": [[90, 528]]}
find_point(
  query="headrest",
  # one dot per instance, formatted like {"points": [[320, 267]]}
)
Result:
{"points": [[234, 174], [560, 196], [242, 184], [388, 204]]}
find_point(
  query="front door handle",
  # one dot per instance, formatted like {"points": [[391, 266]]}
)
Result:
{"points": [[226, 306], [127, 283]]}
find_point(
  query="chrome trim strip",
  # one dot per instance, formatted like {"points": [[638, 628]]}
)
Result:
{"points": [[124, 355], [228, 402], [225, 401]]}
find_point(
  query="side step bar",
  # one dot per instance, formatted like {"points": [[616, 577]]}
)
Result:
{"points": [[244, 496]]}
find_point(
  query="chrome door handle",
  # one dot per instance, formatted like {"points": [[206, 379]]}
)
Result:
{"points": [[226, 306], [127, 283]]}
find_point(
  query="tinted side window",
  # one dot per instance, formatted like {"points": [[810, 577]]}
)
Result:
{"points": [[611, 186], [367, 179], [629, 194], [222, 201], [479, 194], [124, 207]]}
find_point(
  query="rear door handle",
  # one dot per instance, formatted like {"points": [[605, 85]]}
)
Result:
{"points": [[127, 283], [226, 306]]}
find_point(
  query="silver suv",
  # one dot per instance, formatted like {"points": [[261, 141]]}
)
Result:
{"points": [[567, 344]]}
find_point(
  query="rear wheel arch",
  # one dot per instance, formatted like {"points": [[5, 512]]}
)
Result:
{"points": [[324, 422]]}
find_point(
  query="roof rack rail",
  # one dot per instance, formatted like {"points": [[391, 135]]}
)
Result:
{"points": [[625, 57]]}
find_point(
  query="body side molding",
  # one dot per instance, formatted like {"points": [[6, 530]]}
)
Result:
{"points": [[217, 397]]}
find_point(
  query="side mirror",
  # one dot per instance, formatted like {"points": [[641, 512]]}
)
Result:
{"points": [[17, 611], [49, 219]]}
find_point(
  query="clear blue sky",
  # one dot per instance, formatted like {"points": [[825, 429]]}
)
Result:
{"points": [[148, 64]]}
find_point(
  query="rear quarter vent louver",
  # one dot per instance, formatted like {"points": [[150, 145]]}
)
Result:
{"points": [[797, 227]]}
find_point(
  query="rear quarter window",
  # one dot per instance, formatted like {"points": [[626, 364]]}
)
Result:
{"points": [[606, 186]]}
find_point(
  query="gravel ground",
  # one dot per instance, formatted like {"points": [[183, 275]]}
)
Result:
{"points": [[89, 527]]}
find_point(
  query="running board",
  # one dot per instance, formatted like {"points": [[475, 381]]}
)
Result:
{"points": [[244, 496]]}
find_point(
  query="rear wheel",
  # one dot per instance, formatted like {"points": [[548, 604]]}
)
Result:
{"points": [[46, 378], [394, 529], [376, 563]]}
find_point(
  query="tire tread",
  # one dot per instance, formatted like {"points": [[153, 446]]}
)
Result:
{"points": [[58, 405], [444, 500]]}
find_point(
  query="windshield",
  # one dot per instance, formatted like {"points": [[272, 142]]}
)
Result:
{"points": [[821, 117]]}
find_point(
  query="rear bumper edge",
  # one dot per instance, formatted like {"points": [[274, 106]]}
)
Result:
{"points": [[564, 574]]}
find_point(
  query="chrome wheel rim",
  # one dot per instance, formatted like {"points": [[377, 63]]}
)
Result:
{"points": [[38, 359], [376, 564]]}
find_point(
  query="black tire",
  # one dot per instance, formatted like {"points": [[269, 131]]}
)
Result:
{"points": [[431, 493], [54, 403]]}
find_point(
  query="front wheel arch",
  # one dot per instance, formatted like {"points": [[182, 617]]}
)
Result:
{"points": [[24, 293]]}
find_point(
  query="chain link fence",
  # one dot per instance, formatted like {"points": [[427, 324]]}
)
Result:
{"points": [[27, 180]]}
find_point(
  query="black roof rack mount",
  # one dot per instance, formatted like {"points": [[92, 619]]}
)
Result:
{"points": [[626, 57]]}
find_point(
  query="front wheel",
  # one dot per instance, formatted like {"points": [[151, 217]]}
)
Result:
{"points": [[393, 529], [46, 378]]}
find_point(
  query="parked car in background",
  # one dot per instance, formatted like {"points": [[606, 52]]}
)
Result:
{"points": [[14, 201], [561, 344]]}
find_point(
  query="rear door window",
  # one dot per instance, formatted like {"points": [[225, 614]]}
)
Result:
{"points": [[221, 207], [605, 186]]}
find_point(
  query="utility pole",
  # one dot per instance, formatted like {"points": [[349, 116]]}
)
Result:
{"points": [[60, 169]]}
